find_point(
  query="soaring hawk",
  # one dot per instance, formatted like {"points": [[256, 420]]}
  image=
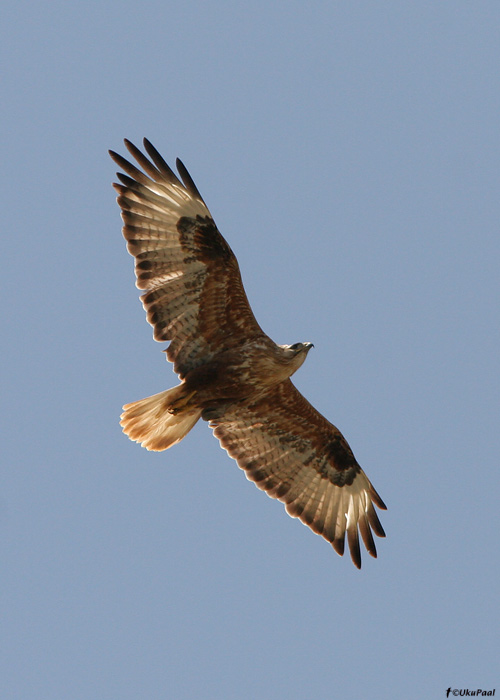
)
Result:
{"points": [[232, 374]]}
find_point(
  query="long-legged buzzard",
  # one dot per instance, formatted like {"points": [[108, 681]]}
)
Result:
{"points": [[232, 374]]}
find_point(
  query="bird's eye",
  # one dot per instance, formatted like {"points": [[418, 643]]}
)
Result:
{"points": [[295, 346]]}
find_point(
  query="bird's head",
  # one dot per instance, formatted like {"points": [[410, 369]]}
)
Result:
{"points": [[296, 353]]}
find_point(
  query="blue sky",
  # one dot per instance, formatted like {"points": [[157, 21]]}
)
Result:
{"points": [[349, 153]]}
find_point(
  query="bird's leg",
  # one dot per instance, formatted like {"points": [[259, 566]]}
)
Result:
{"points": [[181, 403]]}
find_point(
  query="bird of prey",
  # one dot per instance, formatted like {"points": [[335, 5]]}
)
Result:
{"points": [[232, 374]]}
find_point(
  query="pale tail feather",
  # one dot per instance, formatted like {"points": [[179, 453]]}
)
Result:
{"points": [[149, 422]]}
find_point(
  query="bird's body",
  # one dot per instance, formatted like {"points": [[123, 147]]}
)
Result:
{"points": [[232, 374]]}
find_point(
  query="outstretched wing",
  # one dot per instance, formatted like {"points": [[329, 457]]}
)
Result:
{"points": [[194, 293], [295, 455]]}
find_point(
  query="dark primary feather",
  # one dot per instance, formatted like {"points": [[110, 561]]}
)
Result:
{"points": [[187, 179], [160, 163]]}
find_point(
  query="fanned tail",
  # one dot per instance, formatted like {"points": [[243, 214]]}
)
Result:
{"points": [[150, 423]]}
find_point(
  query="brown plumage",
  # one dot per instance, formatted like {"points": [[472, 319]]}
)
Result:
{"points": [[232, 374]]}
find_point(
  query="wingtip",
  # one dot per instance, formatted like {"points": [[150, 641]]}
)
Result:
{"points": [[376, 499], [187, 179], [114, 155]]}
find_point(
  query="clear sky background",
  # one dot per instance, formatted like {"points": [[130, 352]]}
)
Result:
{"points": [[349, 152]]}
